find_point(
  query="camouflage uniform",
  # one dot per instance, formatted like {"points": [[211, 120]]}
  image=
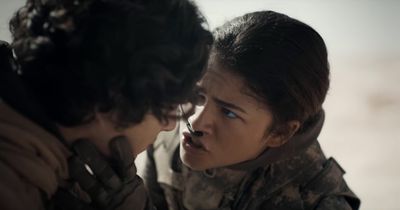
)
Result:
{"points": [[294, 176]]}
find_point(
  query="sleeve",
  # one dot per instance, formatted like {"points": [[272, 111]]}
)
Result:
{"points": [[150, 180], [16, 193]]}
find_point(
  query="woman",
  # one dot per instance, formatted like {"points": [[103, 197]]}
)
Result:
{"points": [[253, 144]]}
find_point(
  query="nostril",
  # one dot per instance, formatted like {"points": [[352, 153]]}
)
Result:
{"points": [[198, 133], [192, 131]]}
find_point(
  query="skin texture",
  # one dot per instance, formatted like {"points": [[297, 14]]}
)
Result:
{"points": [[232, 134], [101, 130]]}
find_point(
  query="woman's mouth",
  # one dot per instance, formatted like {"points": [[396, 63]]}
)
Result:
{"points": [[192, 143]]}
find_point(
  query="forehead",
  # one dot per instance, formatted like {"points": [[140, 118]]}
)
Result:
{"points": [[218, 76], [222, 83]]}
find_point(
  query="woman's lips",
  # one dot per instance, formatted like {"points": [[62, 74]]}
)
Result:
{"points": [[193, 142]]}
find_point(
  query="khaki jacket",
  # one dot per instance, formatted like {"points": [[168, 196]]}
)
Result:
{"points": [[32, 162]]}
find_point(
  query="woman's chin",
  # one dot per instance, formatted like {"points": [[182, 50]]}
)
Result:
{"points": [[193, 162]]}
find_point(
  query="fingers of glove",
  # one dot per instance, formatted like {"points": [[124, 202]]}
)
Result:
{"points": [[88, 182], [121, 152], [64, 200], [89, 154]]}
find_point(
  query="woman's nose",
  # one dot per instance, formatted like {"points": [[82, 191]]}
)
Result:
{"points": [[202, 120]]}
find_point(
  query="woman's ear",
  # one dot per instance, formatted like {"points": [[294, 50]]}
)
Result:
{"points": [[277, 138]]}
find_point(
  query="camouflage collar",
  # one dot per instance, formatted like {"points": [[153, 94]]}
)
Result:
{"points": [[296, 145]]}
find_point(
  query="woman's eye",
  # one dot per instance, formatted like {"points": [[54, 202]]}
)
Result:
{"points": [[228, 113]]}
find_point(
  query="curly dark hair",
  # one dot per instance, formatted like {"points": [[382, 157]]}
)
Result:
{"points": [[128, 57], [283, 61]]}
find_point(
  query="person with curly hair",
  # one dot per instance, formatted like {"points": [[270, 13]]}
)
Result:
{"points": [[85, 86], [253, 142]]}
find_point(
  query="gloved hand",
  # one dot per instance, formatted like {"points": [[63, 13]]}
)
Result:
{"points": [[112, 184]]}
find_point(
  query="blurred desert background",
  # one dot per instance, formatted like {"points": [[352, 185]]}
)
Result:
{"points": [[362, 127]]}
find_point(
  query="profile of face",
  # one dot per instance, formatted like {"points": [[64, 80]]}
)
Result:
{"points": [[141, 135], [101, 130], [235, 125]]}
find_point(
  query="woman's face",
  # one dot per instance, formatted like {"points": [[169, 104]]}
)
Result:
{"points": [[234, 124]]}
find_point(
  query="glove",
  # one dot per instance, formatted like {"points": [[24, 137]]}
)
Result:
{"points": [[65, 199], [112, 184]]}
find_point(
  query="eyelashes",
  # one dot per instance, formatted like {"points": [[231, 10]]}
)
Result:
{"points": [[228, 113], [201, 98]]}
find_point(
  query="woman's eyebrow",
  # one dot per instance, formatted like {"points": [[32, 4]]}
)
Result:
{"points": [[229, 105]]}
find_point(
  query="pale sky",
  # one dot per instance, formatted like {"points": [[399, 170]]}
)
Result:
{"points": [[358, 26]]}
